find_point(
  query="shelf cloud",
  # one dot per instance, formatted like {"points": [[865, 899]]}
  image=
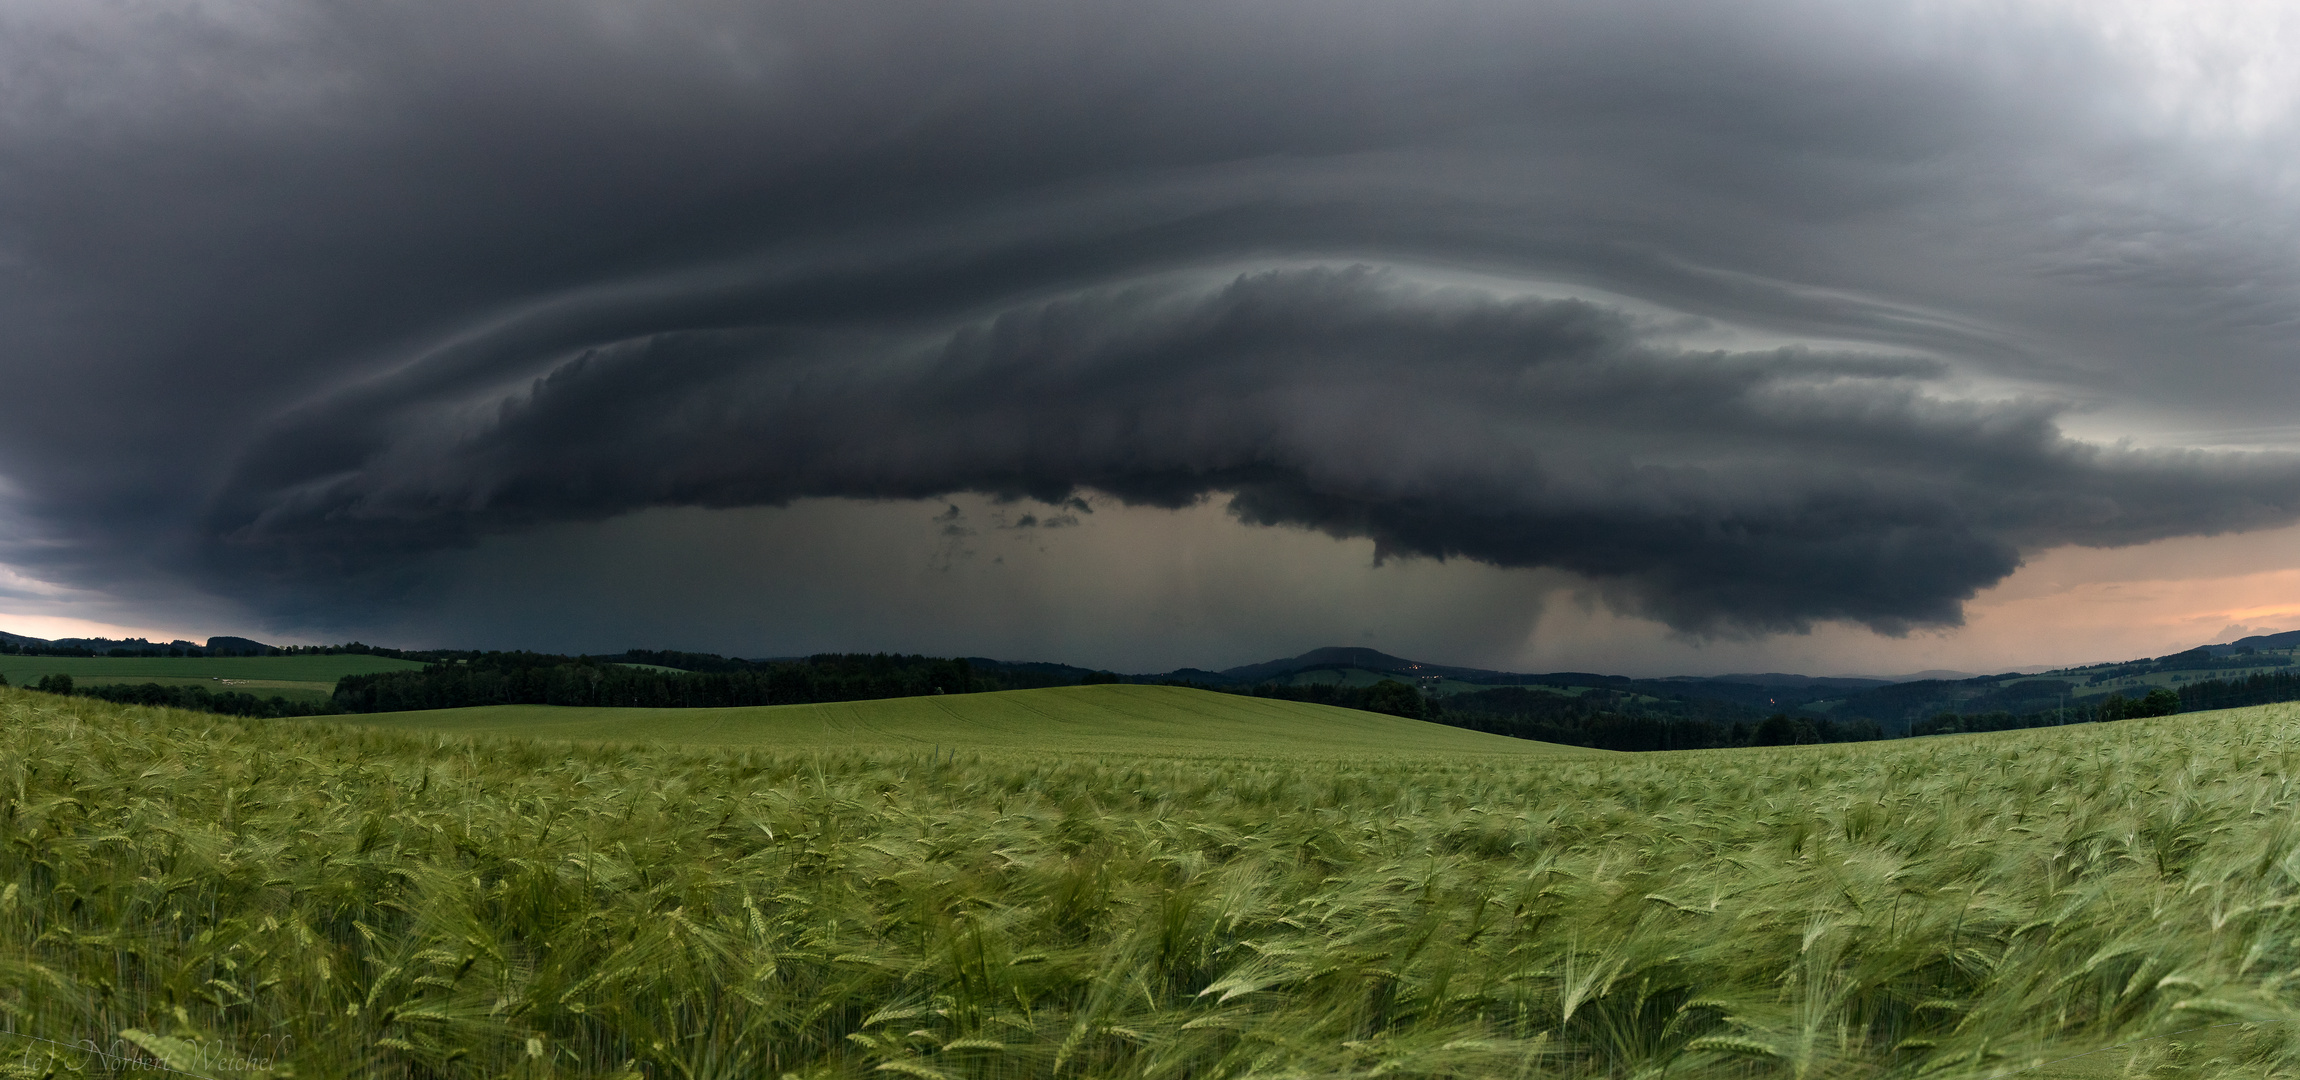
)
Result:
{"points": [[1715, 490]]}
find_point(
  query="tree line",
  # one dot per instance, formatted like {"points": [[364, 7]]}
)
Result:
{"points": [[526, 678], [2157, 702], [1601, 721], [1594, 718], [194, 698], [2262, 689]]}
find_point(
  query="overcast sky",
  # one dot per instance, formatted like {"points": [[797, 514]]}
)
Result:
{"points": [[1638, 336]]}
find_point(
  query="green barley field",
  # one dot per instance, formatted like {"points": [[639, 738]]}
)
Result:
{"points": [[889, 891], [308, 679], [1145, 721]]}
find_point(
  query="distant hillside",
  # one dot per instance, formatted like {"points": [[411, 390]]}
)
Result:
{"points": [[2241, 672], [1346, 666], [1148, 720], [1628, 713], [1344, 657], [1574, 708], [1568, 707], [1792, 682], [2289, 639], [21, 645]]}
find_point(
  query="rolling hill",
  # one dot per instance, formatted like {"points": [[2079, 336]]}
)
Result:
{"points": [[1580, 708], [1163, 721], [1892, 705]]}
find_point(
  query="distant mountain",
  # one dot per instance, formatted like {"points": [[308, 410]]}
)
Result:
{"points": [[1339, 656], [1374, 660], [101, 645], [1936, 674], [2259, 643], [1927, 675], [1892, 703], [1775, 678]]}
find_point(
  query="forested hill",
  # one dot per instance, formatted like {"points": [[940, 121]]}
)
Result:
{"points": [[1581, 709], [21, 645], [1599, 716]]}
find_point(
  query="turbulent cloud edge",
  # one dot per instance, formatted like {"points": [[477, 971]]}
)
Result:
{"points": [[1719, 492]]}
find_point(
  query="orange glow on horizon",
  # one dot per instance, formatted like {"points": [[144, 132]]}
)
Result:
{"points": [[52, 627]]}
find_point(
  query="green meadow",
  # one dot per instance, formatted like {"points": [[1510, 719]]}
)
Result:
{"points": [[1083, 883], [297, 678], [1147, 721]]}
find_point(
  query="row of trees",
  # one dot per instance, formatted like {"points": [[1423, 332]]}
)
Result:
{"points": [[524, 678], [2261, 689], [51, 649], [1602, 720], [16, 649], [196, 698], [1628, 731], [2157, 702]]}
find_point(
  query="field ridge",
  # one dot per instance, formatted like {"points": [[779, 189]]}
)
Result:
{"points": [[1150, 720]]}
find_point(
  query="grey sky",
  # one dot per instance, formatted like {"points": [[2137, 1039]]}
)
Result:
{"points": [[1741, 320]]}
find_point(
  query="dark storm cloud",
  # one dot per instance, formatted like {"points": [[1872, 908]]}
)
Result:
{"points": [[294, 292], [1713, 490]]}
